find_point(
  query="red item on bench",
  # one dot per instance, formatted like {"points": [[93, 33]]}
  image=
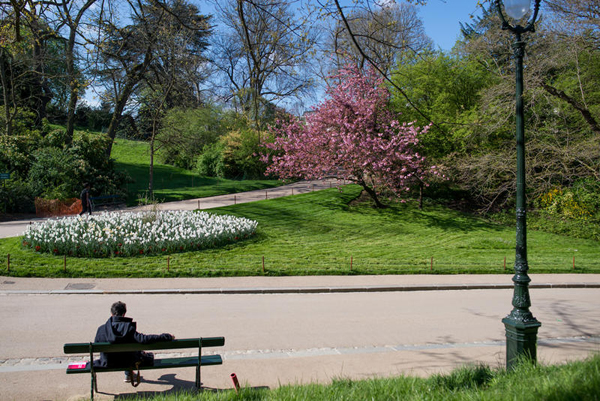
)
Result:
{"points": [[78, 365]]}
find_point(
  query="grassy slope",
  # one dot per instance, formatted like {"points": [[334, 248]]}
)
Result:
{"points": [[172, 183], [574, 381], [319, 233]]}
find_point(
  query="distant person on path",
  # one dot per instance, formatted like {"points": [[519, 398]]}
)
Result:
{"points": [[86, 202], [120, 329]]}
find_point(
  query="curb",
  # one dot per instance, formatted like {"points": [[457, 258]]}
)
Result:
{"points": [[301, 290]]}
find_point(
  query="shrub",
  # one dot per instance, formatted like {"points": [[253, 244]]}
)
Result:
{"points": [[185, 133], [571, 203], [51, 174], [210, 162], [240, 154]]}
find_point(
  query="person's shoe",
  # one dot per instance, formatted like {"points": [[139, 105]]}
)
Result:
{"points": [[127, 378]]}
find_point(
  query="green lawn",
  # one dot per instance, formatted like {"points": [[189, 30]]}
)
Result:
{"points": [[172, 183], [321, 233], [576, 381]]}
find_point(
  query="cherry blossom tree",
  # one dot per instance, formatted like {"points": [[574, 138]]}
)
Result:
{"points": [[354, 135]]}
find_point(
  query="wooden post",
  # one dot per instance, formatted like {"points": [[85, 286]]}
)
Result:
{"points": [[8, 262], [65, 264], [168, 263], [198, 203], [266, 195], [234, 199], [263, 260]]}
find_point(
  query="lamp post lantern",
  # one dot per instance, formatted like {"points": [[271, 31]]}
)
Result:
{"points": [[521, 326]]}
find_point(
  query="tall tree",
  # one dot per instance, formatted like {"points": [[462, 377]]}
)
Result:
{"points": [[562, 103], [264, 53], [31, 43], [131, 53], [72, 13], [387, 35], [354, 133]]}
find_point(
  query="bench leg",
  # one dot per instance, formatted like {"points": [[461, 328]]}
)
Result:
{"points": [[198, 383], [94, 386]]}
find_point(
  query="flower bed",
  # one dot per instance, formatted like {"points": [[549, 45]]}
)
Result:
{"points": [[129, 234]]}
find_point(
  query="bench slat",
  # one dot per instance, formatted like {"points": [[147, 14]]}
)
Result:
{"points": [[82, 348], [165, 363]]}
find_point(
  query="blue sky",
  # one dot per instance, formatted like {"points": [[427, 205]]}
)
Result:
{"points": [[442, 19]]}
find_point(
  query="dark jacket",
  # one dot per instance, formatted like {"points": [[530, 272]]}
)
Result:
{"points": [[118, 330]]}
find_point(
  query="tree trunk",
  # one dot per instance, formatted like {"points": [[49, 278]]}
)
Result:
{"points": [[74, 84], [4, 82], [135, 76], [151, 173], [373, 196]]}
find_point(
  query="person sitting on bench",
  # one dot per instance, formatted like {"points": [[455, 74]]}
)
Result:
{"points": [[119, 329]]}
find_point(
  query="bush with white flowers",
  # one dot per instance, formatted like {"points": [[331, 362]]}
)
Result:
{"points": [[143, 233]]}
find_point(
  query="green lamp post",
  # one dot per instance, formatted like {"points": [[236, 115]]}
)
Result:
{"points": [[521, 326]]}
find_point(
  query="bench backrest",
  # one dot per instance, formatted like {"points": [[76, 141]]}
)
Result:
{"points": [[82, 348]]}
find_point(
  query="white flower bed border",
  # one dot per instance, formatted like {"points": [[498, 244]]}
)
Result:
{"points": [[143, 233]]}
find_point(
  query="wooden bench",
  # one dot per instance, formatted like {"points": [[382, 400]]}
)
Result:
{"points": [[165, 363]]}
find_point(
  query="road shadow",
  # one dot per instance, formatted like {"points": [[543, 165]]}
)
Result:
{"points": [[177, 386]]}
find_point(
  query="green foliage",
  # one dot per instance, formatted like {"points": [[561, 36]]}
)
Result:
{"points": [[210, 162], [94, 167], [445, 88], [15, 196], [565, 203], [92, 118], [51, 174], [571, 211], [42, 166], [185, 133], [15, 153], [240, 154]]}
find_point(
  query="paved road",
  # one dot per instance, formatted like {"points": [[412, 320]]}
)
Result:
{"points": [[280, 338]]}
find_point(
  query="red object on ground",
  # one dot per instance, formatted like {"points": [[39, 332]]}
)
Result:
{"points": [[56, 207], [236, 384]]}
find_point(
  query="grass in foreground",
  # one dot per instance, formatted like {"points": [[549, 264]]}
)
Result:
{"points": [[577, 381], [172, 183], [322, 233]]}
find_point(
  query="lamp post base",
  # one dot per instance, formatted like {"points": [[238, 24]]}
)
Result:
{"points": [[521, 340]]}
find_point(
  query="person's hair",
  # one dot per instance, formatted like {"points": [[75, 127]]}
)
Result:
{"points": [[118, 309]]}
